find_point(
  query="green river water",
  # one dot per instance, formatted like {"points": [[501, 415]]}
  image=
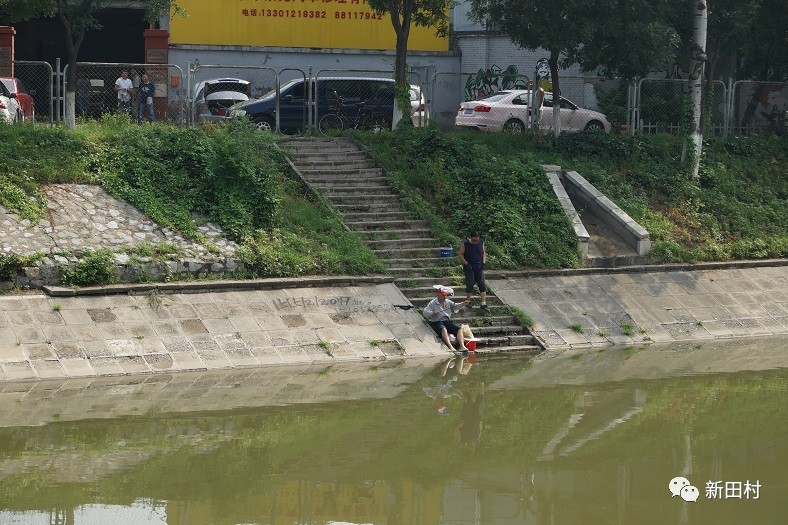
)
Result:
{"points": [[584, 438]]}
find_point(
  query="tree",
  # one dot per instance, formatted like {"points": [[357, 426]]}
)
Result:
{"points": [[404, 13], [77, 17], [626, 37]]}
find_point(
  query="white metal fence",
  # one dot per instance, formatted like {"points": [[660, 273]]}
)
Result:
{"points": [[648, 105]]}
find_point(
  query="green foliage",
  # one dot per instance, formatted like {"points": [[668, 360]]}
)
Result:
{"points": [[171, 173], [460, 182], [95, 267], [11, 265]]}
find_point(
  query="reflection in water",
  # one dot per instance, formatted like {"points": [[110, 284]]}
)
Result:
{"points": [[474, 449]]}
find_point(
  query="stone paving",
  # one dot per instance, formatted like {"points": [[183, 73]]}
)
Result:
{"points": [[604, 308], [82, 216], [44, 337]]}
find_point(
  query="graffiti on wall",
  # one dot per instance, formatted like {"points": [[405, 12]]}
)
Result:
{"points": [[493, 79]]}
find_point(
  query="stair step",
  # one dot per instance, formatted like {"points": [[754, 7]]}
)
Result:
{"points": [[505, 340], [320, 180], [393, 236], [369, 207], [482, 331], [508, 348], [331, 160], [359, 193], [373, 225], [363, 217], [401, 253], [422, 300], [396, 244], [494, 320], [341, 172], [420, 263], [434, 273]]}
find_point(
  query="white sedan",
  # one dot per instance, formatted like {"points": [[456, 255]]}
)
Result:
{"points": [[508, 111]]}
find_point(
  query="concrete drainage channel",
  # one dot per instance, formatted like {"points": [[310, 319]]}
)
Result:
{"points": [[342, 173]]}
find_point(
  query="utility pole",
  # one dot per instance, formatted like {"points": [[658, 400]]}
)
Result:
{"points": [[698, 61]]}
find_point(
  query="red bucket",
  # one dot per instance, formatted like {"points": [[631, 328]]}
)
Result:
{"points": [[470, 344]]}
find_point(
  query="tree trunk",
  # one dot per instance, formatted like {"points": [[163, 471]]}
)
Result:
{"points": [[401, 77], [553, 61], [696, 84], [73, 42]]}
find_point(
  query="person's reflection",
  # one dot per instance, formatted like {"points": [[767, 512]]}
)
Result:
{"points": [[441, 388], [533, 500], [472, 392]]}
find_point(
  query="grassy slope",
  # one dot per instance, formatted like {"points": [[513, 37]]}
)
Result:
{"points": [[458, 181], [737, 209]]}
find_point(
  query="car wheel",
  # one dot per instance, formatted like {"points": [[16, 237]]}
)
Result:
{"points": [[514, 126], [263, 124], [594, 125]]}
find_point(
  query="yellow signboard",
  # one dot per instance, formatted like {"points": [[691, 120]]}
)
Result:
{"points": [[338, 24]]}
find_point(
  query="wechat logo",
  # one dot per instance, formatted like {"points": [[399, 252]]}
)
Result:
{"points": [[681, 487]]}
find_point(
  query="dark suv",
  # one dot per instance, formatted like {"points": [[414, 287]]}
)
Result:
{"points": [[293, 110]]}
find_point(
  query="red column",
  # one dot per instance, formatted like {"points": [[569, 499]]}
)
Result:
{"points": [[157, 47], [7, 51]]}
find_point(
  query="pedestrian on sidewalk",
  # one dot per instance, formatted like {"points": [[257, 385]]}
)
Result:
{"points": [[439, 311], [473, 256]]}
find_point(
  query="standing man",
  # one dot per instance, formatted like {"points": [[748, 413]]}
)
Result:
{"points": [[439, 311], [147, 89], [124, 87], [473, 257]]}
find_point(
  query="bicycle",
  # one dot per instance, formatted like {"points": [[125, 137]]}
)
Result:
{"points": [[337, 118]]}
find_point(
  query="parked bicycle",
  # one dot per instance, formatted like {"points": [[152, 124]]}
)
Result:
{"points": [[342, 115]]}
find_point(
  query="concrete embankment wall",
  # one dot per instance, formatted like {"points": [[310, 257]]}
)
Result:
{"points": [[651, 304], [319, 321], [209, 326]]}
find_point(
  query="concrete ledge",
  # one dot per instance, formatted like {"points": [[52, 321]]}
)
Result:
{"points": [[678, 267], [218, 286], [607, 211], [566, 203]]}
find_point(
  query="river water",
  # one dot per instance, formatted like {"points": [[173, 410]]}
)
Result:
{"points": [[577, 438]]}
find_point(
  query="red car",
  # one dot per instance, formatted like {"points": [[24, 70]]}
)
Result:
{"points": [[26, 103]]}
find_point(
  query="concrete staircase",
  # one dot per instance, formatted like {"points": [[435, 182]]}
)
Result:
{"points": [[353, 184]]}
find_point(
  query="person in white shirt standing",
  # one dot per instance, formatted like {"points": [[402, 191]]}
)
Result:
{"points": [[439, 311], [124, 87]]}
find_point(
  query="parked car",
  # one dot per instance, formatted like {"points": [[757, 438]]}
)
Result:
{"points": [[345, 94], [501, 111], [573, 118], [10, 111], [418, 107], [213, 98], [27, 104], [508, 111]]}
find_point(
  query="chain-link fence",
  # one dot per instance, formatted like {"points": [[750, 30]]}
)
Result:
{"points": [[363, 99], [33, 84], [95, 92], [661, 101], [449, 90], [759, 107]]}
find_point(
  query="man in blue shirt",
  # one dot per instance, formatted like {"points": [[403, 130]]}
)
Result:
{"points": [[473, 257]]}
